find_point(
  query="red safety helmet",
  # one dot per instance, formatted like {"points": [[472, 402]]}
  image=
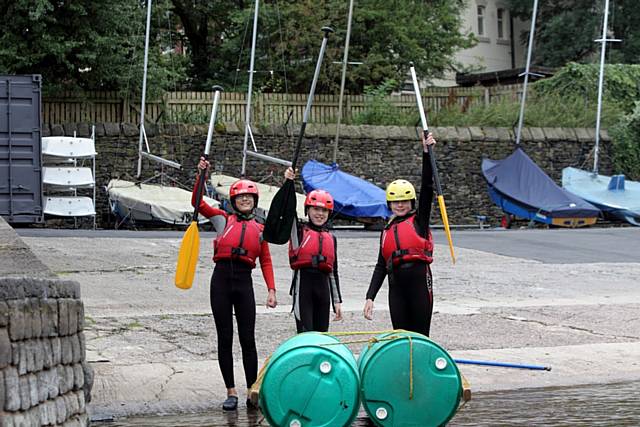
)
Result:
{"points": [[319, 199], [243, 186]]}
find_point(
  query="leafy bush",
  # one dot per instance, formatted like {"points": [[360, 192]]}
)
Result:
{"points": [[540, 111], [626, 144], [581, 81], [380, 111]]}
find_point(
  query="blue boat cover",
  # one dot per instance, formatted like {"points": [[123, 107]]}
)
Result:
{"points": [[520, 179], [613, 195], [352, 196]]}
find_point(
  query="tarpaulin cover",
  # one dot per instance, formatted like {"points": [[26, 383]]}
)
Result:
{"points": [[353, 196], [520, 179]]}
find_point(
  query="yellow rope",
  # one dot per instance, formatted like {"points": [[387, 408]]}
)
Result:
{"points": [[410, 368], [373, 340]]}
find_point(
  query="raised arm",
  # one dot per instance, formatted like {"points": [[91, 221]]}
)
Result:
{"points": [[426, 187], [204, 208]]}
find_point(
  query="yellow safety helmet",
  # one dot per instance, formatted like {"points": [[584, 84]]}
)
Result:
{"points": [[399, 190]]}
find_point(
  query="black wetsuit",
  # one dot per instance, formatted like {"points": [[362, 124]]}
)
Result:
{"points": [[232, 290], [313, 292], [410, 284]]}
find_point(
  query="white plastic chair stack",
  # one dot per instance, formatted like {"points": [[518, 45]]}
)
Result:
{"points": [[65, 173]]}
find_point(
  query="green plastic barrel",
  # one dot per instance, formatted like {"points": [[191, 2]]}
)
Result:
{"points": [[310, 380], [408, 380]]}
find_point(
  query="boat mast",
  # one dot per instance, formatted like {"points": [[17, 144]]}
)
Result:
{"points": [[143, 133], [604, 41], [249, 90], [144, 87], [342, 81], [247, 128], [526, 71]]}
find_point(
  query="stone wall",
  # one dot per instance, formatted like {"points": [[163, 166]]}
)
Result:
{"points": [[378, 154], [44, 378]]}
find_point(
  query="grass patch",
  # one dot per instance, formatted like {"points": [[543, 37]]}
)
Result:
{"points": [[133, 325], [547, 111]]}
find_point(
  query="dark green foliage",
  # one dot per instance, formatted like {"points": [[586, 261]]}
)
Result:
{"points": [[626, 145], [566, 30], [84, 44], [379, 110], [547, 111], [621, 83]]}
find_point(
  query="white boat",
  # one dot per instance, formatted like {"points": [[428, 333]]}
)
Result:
{"points": [[222, 183], [616, 197], [152, 204]]}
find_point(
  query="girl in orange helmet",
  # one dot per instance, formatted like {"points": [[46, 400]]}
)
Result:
{"points": [[235, 251], [313, 258]]}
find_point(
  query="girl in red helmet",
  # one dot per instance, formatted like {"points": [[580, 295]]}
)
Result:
{"points": [[235, 251], [313, 258]]}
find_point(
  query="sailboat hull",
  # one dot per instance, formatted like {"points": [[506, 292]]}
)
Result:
{"points": [[222, 183], [152, 204], [519, 187], [354, 197], [621, 203]]}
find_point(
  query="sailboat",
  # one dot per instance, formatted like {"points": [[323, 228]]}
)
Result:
{"points": [[354, 198], [221, 183], [142, 203], [521, 188], [616, 197]]}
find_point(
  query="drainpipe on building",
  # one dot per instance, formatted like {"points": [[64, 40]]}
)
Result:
{"points": [[513, 44]]}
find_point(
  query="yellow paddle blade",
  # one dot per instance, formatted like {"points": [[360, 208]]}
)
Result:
{"points": [[445, 221], [188, 257]]}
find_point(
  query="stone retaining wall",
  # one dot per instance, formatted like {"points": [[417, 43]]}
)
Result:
{"points": [[44, 378], [376, 153]]}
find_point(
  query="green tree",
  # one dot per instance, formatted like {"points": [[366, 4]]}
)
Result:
{"points": [[84, 44], [580, 22], [207, 25], [386, 36]]}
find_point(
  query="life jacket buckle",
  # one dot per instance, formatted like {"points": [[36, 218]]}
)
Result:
{"points": [[238, 251], [317, 259]]}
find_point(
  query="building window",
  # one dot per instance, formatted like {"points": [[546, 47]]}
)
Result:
{"points": [[501, 23], [481, 10]]}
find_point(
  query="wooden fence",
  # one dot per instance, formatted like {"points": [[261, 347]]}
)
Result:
{"points": [[195, 107]]}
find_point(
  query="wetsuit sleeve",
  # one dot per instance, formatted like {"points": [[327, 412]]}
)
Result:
{"points": [[266, 265], [379, 273], [426, 196], [334, 278], [205, 209]]}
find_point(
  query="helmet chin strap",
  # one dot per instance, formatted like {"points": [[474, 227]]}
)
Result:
{"points": [[394, 216], [243, 215]]}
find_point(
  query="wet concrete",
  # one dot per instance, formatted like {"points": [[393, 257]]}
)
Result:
{"points": [[153, 346]]}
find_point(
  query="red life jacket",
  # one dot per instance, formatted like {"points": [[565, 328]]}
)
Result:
{"points": [[316, 250], [240, 240], [401, 243]]}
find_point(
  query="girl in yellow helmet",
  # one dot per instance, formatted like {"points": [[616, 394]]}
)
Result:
{"points": [[405, 255]]}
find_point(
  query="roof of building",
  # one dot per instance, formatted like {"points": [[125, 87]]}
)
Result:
{"points": [[510, 76]]}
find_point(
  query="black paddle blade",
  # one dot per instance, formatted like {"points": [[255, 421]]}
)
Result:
{"points": [[282, 213]]}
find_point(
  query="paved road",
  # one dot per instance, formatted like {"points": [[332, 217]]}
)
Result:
{"points": [[553, 246]]}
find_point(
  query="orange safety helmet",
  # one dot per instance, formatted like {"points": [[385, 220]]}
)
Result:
{"points": [[243, 186], [319, 199]]}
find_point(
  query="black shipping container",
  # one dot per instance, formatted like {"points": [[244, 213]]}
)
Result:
{"points": [[20, 149]]}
